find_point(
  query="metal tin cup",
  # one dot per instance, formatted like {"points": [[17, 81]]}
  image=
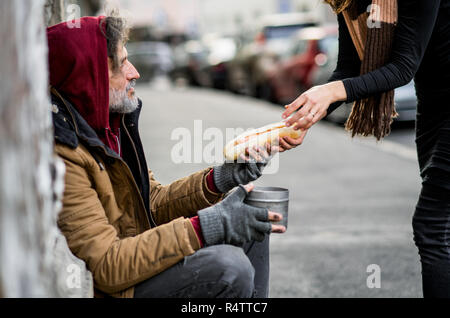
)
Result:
{"points": [[273, 198]]}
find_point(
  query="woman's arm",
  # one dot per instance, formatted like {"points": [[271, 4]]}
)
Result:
{"points": [[348, 65], [348, 62], [415, 26]]}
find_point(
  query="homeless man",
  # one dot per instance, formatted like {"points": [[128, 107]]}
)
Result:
{"points": [[138, 237]]}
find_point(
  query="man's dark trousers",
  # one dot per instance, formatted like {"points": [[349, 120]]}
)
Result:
{"points": [[214, 271]]}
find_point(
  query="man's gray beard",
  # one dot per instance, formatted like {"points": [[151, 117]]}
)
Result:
{"points": [[119, 102]]}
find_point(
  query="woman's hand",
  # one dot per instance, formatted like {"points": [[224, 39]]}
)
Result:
{"points": [[313, 104]]}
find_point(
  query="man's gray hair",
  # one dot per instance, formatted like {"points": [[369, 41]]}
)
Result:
{"points": [[116, 30]]}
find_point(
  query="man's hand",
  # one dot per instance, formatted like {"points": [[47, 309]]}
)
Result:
{"points": [[248, 168], [288, 143], [233, 222]]}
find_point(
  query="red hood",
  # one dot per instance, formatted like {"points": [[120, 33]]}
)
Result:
{"points": [[78, 62]]}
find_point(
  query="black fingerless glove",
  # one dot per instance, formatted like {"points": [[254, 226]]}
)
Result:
{"points": [[230, 175]]}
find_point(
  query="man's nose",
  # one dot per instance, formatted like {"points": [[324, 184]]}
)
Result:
{"points": [[132, 72]]}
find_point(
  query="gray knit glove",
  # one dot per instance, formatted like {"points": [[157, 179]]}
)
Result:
{"points": [[230, 175], [234, 222]]}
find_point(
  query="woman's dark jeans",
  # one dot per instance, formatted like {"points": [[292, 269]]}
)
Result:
{"points": [[431, 224], [215, 271]]}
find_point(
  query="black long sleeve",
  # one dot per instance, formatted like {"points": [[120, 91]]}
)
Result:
{"points": [[416, 23], [348, 63]]}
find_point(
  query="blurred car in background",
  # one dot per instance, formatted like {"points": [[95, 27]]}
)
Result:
{"points": [[405, 104], [204, 62], [221, 50], [294, 72], [151, 58], [190, 64], [247, 70]]}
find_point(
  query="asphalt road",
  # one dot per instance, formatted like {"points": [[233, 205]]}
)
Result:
{"points": [[351, 200]]}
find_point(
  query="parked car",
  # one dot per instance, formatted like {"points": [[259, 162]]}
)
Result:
{"points": [[247, 70], [406, 102], [204, 62], [191, 63], [221, 50], [151, 58], [294, 72]]}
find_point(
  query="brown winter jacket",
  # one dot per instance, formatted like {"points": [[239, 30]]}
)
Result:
{"points": [[104, 217]]}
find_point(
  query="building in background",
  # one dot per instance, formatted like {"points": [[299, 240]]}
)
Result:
{"points": [[233, 16], [216, 16]]}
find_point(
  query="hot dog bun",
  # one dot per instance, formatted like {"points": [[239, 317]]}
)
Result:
{"points": [[258, 137]]}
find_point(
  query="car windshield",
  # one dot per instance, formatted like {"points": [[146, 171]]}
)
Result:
{"points": [[296, 47]]}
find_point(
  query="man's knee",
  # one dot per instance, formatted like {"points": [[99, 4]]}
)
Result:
{"points": [[232, 268]]}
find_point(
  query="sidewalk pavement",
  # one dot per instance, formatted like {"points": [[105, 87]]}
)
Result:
{"points": [[351, 201]]}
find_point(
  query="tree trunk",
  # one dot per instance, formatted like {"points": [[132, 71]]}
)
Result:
{"points": [[54, 12], [90, 7], [34, 258]]}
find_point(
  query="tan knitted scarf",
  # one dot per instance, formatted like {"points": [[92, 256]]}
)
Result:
{"points": [[372, 34]]}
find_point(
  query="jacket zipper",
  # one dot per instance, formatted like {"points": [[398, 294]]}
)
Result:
{"points": [[148, 215], [118, 143], [132, 143]]}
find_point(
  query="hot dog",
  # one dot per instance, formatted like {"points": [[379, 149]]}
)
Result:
{"points": [[268, 134]]}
